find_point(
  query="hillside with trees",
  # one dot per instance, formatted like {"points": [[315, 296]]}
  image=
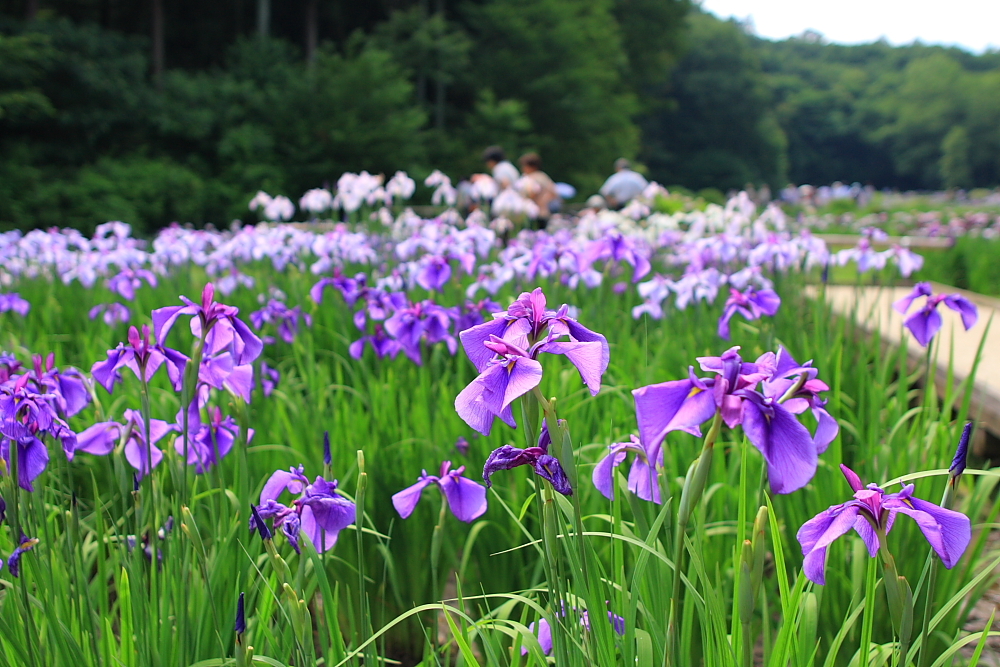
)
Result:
{"points": [[154, 112]]}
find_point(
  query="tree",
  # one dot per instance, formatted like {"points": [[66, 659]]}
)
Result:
{"points": [[564, 59], [956, 171], [721, 131]]}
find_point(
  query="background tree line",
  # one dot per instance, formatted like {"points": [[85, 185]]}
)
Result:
{"points": [[177, 110]]}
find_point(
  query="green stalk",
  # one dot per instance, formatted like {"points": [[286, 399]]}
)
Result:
{"points": [[25, 605], [150, 511], [694, 486]]}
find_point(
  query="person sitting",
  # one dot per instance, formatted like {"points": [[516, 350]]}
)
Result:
{"points": [[623, 185], [504, 173], [542, 190]]}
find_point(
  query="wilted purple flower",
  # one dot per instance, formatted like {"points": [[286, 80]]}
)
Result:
{"points": [[751, 304], [925, 323], [319, 511], [466, 498], [14, 562], [14, 302], [643, 478], [113, 313], [142, 358], [216, 319], [871, 514], [547, 467]]}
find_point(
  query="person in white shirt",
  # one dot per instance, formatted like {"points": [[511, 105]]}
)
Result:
{"points": [[504, 173], [623, 185]]}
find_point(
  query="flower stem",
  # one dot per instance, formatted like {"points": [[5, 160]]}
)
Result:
{"points": [[694, 486]]}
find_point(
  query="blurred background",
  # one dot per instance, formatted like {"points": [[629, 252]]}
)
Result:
{"points": [[174, 110]]}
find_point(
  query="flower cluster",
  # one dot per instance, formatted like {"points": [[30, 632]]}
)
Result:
{"points": [[763, 397], [319, 511]]}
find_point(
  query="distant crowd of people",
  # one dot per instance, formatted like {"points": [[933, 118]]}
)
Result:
{"points": [[621, 187]]}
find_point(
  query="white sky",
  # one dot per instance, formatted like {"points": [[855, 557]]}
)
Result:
{"points": [[972, 24]]}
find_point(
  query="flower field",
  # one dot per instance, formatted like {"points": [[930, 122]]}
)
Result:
{"points": [[628, 439]]}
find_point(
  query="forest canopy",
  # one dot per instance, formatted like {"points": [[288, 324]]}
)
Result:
{"points": [[155, 112]]}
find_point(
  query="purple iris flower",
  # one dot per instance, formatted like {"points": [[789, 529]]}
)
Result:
{"points": [[14, 302], [350, 288], [129, 280], [209, 442], [751, 304], [319, 511], [9, 366], [269, 379], [286, 319], [212, 317], [142, 358], [466, 498], [25, 415], [683, 405], [544, 633], [113, 313], [383, 345], [32, 455], [98, 439], [462, 445], [547, 467], [101, 438], [505, 353], [871, 513], [926, 322], [14, 562], [472, 313], [643, 478], [422, 321], [66, 390], [434, 273], [510, 374], [798, 388], [527, 322]]}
